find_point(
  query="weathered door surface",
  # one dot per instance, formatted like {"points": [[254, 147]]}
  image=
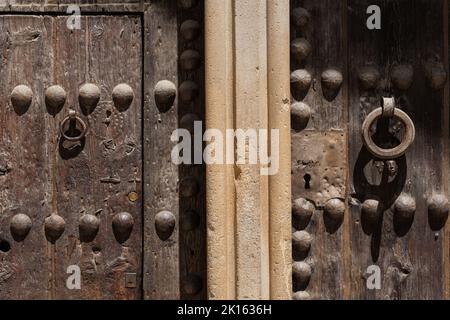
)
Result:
{"points": [[75, 201], [87, 185], [359, 213]]}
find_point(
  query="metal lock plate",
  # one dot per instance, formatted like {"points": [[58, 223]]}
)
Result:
{"points": [[318, 160], [130, 280]]}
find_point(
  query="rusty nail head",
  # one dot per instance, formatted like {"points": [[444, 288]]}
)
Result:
{"points": [[133, 196]]}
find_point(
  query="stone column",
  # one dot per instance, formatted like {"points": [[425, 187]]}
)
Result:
{"points": [[247, 87], [252, 219], [220, 201], [279, 118]]}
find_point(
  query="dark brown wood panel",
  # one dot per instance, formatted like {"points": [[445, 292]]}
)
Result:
{"points": [[63, 5], [327, 51], [103, 174], [325, 134], [99, 175], [102, 178], [192, 209], [24, 163], [161, 256], [409, 252], [446, 136]]}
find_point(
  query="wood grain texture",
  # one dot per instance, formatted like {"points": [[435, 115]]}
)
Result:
{"points": [[410, 256], [327, 42], [67, 180], [328, 120], [111, 151], [445, 159], [25, 180], [84, 5], [98, 176], [193, 242], [413, 257], [161, 258]]}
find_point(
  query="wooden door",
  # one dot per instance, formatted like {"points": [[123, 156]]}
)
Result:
{"points": [[70, 203], [79, 201], [358, 215]]}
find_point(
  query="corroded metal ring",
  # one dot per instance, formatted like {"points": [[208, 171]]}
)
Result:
{"points": [[73, 117], [397, 151]]}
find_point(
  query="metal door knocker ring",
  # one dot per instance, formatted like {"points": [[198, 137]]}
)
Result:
{"points": [[388, 110], [73, 117]]}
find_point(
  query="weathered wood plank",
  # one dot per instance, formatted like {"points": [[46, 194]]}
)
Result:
{"points": [[325, 128], [56, 178], [327, 47], [161, 257], [84, 5], [446, 137], [102, 177], [24, 163], [409, 253], [193, 241]]}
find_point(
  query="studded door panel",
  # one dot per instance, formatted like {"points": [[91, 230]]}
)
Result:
{"points": [[319, 157], [80, 199], [396, 207], [357, 215]]}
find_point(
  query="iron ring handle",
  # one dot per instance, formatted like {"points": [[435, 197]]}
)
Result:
{"points": [[397, 151], [73, 116]]}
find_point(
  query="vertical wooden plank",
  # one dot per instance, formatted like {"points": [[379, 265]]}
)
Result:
{"points": [[24, 162], [409, 253], [446, 139], [318, 146], [74, 176], [192, 208], [102, 175], [327, 46], [161, 257]]}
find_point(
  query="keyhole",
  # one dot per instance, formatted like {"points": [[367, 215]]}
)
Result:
{"points": [[307, 179], [96, 249], [4, 246]]}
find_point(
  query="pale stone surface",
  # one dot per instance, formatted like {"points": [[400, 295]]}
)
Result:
{"points": [[252, 220], [247, 86], [279, 118], [220, 201]]}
